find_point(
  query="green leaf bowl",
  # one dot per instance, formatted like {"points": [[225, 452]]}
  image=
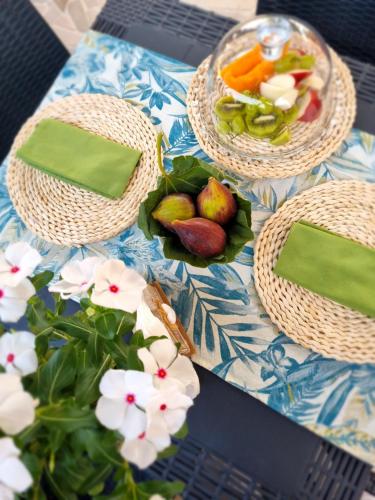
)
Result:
{"points": [[190, 175]]}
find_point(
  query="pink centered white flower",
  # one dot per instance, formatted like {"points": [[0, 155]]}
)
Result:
{"points": [[17, 407], [14, 476], [143, 450], [17, 353], [124, 394], [169, 407], [77, 277], [17, 262], [117, 286], [169, 368], [13, 300], [148, 322]]}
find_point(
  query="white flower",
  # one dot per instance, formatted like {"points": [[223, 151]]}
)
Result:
{"points": [[169, 368], [124, 393], [169, 407], [157, 497], [17, 262], [13, 300], [148, 322], [143, 450], [17, 354], [14, 476], [77, 277], [16, 405], [117, 286]]}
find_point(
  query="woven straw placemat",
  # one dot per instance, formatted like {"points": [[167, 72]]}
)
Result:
{"points": [[346, 208], [68, 215], [278, 161]]}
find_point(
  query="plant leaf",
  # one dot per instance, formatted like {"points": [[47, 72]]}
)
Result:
{"points": [[133, 362], [166, 490], [168, 452], [36, 314], [118, 350], [100, 446], [67, 417], [57, 373], [41, 280], [183, 432], [106, 325], [74, 328], [87, 387]]}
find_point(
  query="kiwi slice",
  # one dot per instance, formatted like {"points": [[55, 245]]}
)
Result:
{"points": [[264, 125], [251, 111], [223, 127], [238, 125], [291, 115], [265, 106], [226, 108], [282, 137]]}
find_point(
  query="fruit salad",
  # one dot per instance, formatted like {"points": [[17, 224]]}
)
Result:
{"points": [[265, 97]]}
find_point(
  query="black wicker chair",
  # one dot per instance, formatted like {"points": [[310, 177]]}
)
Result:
{"points": [[348, 25], [30, 58]]}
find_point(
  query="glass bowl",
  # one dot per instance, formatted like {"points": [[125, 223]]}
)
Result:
{"points": [[268, 88]]}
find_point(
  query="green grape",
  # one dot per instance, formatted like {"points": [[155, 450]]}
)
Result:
{"points": [[283, 65], [306, 62]]}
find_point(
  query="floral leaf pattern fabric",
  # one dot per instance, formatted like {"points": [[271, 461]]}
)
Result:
{"points": [[219, 306]]}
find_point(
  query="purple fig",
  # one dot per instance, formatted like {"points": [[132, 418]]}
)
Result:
{"points": [[216, 202], [178, 206], [201, 237]]}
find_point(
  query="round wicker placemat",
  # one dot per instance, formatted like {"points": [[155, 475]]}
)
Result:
{"points": [[68, 215], [285, 162], [346, 208]]}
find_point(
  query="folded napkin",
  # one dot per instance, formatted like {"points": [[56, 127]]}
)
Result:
{"points": [[330, 265], [80, 157]]}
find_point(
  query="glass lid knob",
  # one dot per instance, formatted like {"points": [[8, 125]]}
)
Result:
{"points": [[272, 35]]}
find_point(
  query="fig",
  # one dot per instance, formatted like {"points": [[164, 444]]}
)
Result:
{"points": [[174, 206], [200, 236], [216, 202]]}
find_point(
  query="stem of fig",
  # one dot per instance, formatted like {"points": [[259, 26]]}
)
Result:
{"points": [[159, 141]]}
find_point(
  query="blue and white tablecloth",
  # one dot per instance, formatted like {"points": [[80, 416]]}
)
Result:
{"points": [[219, 306]]}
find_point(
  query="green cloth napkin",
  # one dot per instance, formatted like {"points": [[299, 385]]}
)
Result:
{"points": [[330, 265], [80, 157]]}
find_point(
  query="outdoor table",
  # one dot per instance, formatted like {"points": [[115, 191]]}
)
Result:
{"points": [[225, 419]]}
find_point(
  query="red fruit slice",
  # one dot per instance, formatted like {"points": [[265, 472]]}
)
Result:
{"points": [[313, 109], [299, 75]]}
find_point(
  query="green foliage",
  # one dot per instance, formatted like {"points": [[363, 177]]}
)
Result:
{"points": [[190, 175], [41, 280], [57, 373], [67, 451]]}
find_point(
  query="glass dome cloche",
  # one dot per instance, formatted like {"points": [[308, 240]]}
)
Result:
{"points": [[268, 87]]}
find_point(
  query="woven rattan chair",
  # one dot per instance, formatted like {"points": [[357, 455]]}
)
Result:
{"points": [[347, 25], [30, 58]]}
